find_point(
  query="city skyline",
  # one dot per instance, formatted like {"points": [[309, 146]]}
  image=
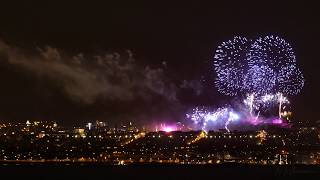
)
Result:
{"points": [[44, 142]]}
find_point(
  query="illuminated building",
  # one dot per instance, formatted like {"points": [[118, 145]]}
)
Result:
{"points": [[79, 132]]}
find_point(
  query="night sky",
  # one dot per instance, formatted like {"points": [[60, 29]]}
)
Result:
{"points": [[55, 57]]}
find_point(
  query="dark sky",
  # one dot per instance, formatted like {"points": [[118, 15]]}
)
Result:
{"points": [[182, 35]]}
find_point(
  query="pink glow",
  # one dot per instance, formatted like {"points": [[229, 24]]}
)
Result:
{"points": [[254, 121], [277, 121], [168, 128]]}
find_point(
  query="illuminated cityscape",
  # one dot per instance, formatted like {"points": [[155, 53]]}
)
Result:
{"points": [[42, 141], [155, 90]]}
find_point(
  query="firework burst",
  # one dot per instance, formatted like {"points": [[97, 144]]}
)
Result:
{"points": [[230, 64], [266, 65]]}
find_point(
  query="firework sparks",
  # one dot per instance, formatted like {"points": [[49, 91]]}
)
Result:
{"points": [[263, 66], [229, 63], [272, 51], [232, 117], [249, 101], [291, 80], [259, 80], [207, 119], [263, 70]]}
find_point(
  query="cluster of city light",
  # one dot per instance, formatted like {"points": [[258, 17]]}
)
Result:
{"points": [[262, 135], [201, 135], [135, 137], [128, 146]]}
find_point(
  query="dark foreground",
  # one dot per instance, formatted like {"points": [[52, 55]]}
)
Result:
{"points": [[164, 172]]}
